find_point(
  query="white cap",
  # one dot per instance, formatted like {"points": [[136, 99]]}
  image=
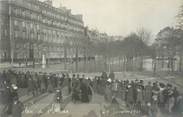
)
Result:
{"points": [[14, 87], [58, 90], [109, 80]]}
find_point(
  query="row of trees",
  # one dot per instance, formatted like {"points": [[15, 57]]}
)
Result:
{"points": [[135, 48], [130, 51], [169, 47]]}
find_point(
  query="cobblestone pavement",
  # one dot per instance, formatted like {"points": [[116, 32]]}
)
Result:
{"points": [[39, 106], [80, 109]]}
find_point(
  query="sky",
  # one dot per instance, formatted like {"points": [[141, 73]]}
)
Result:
{"points": [[121, 17]]}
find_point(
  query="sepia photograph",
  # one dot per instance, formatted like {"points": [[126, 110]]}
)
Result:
{"points": [[91, 58]]}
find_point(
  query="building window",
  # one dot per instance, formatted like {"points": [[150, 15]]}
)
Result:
{"points": [[23, 34], [15, 22], [29, 5], [32, 35], [44, 20], [23, 24], [38, 36], [5, 32], [16, 34], [31, 25], [23, 13], [28, 14], [39, 18], [37, 26], [15, 11]]}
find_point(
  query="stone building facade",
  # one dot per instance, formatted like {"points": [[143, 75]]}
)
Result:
{"points": [[31, 29]]}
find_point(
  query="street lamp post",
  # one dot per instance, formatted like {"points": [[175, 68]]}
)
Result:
{"points": [[11, 36]]}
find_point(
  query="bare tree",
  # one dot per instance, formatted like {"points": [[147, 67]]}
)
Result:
{"points": [[145, 36]]}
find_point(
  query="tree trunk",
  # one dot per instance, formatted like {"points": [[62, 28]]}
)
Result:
{"points": [[105, 63], [95, 65], [119, 63], [172, 64], [154, 66], [162, 65], [132, 65], [180, 63], [141, 63], [124, 63], [127, 64], [135, 63]]}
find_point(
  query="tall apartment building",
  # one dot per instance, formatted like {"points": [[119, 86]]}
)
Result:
{"points": [[31, 29]]}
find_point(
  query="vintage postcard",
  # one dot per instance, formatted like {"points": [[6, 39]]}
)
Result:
{"points": [[91, 58]]}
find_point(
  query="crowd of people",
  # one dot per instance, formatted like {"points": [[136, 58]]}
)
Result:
{"points": [[33, 84], [140, 96], [81, 89], [143, 97], [37, 83]]}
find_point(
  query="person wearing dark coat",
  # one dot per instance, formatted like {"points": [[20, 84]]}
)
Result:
{"points": [[84, 92], [90, 93], [76, 92], [30, 86], [112, 75], [4, 74], [17, 108], [7, 100], [104, 75], [3, 77]]}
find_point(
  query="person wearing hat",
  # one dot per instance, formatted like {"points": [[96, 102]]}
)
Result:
{"points": [[122, 90], [43, 82], [50, 85], [130, 96], [175, 94], [115, 86], [14, 91], [140, 97], [69, 85], [104, 75], [85, 91], [108, 92], [17, 108], [171, 101], [6, 101], [155, 93], [112, 75], [148, 92], [30, 85], [161, 96]]}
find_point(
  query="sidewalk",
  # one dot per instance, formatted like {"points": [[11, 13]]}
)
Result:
{"points": [[39, 107]]}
